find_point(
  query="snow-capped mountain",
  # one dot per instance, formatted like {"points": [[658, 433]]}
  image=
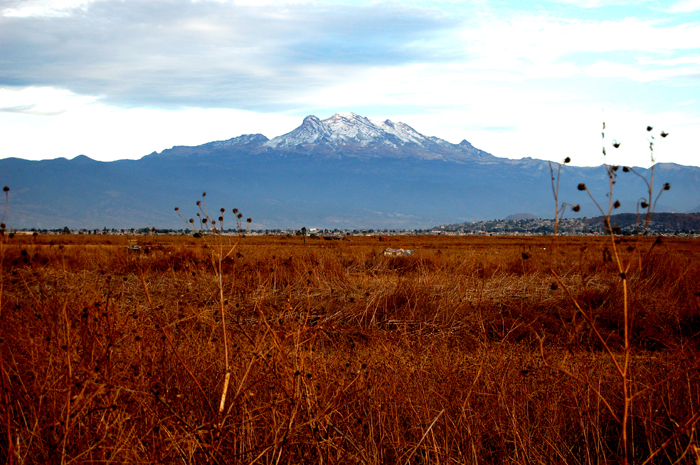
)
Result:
{"points": [[350, 128], [353, 135], [347, 135]]}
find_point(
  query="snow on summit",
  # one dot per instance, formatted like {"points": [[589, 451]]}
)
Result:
{"points": [[349, 128], [351, 135]]}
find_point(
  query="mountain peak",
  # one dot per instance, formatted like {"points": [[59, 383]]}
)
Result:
{"points": [[311, 120], [351, 129], [343, 135], [346, 115], [347, 134]]}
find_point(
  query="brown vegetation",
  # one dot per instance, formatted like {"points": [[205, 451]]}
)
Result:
{"points": [[339, 354]]}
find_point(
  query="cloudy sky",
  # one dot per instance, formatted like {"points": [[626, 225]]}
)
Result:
{"points": [[116, 79]]}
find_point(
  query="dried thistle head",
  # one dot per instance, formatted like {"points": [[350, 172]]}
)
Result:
{"points": [[239, 216], [581, 187], [625, 169], [576, 208], [249, 220], [6, 189], [235, 210], [667, 186], [177, 209], [649, 128], [616, 204], [567, 160], [644, 204], [616, 144], [663, 134]]}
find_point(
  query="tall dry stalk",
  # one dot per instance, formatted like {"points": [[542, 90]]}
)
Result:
{"points": [[623, 264], [220, 248]]}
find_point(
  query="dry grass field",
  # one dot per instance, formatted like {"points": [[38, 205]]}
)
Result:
{"points": [[469, 351]]}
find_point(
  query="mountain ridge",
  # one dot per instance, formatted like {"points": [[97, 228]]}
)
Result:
{"points": [[349, 135], [342, 172]]}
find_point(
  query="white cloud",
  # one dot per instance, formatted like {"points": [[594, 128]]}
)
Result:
{"points": [[579, 61], [41, 100], [28, 8], [524, 41], [685, 6]]}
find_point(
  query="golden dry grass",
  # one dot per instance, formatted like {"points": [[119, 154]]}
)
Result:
{"points": [[339, 354]]}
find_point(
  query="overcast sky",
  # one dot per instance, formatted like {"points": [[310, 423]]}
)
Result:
{"points": [[115, 79]]}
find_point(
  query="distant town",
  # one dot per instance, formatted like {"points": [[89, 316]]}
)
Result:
{"points": [[623, 224], [676, 224]]}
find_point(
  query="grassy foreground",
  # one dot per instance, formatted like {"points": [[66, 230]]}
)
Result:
{"points": [[468, 351]]}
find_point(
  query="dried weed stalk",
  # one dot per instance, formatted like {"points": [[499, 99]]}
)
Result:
{"points": [[623, 260], [220, 247]]}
